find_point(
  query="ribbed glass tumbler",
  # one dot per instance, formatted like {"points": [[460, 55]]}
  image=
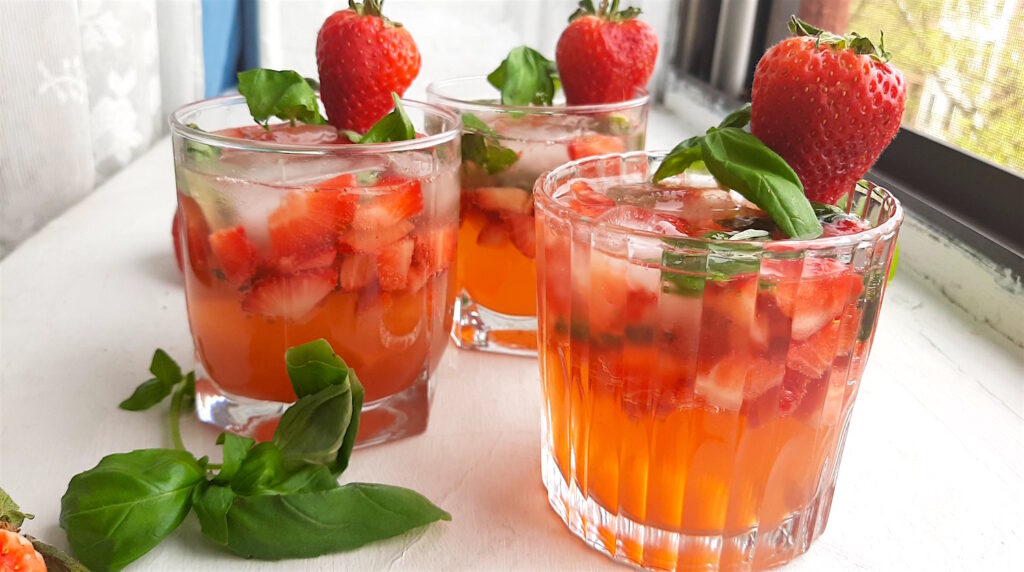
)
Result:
{"points": [[698, 392]]}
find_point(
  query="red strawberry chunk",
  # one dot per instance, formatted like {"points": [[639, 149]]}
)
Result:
{"points": [[343, 182], [307, 260], [375, 239], [736, 377], [309, 222], [236, 253], [193, 222], [357, 270], [523, 233], [493, 234], [818, 297], [290, 297], [176, 239], [503, 199], [590, 145], [418, 276], [587, 201], [392, 201], [813, 357], [393, 265], [436, 248]]}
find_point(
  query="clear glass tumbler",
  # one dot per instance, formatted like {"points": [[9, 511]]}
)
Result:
{"points": [[697, 391], [505, 149], [289, 236]]}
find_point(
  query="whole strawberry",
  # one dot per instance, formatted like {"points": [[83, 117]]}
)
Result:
{"points": [[362, 57], [828, 105], [604, 55]]}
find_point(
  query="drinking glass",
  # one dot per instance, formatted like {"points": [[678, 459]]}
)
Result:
{"points": [[289, 236], [698, 391], [506, 149]]}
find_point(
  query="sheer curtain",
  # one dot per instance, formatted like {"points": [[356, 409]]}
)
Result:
{"points": [[87, 87], [455, 37]]}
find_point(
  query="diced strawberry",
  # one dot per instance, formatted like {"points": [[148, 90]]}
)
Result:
{"points": [[794, 389], [374, 240], [176, 238], [344, 182], [236, 253], [844, 226], [436, 248], [590, 145], [587, 201], [290, 297], [418, 276], [357, 270], [391, 201], [308, 222], [736, 377], [813, 357], [493, 234], [503, 199], [818, 296], [393, 265], [196, 233], [523, 233], [322, 257]]}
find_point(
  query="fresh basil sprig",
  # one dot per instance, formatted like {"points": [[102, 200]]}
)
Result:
{"points": [[740, 161], [525, 77], [284, 94], [10, 512], [690, 263], [395, 126], [166, 375], [481, 145], [271, 500]]}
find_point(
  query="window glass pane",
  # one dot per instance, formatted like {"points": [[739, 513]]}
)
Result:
{"points": [[964, 65]]}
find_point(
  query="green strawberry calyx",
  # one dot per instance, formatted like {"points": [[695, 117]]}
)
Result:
{"points": [[605, 10], [861, 45], [371, 8]]}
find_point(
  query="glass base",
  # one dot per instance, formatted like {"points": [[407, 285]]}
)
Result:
{"points": [[476, 327], [402, 414], [637, 544]]}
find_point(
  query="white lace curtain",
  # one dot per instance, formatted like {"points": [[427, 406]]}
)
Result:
{"points": [[87, 87]]}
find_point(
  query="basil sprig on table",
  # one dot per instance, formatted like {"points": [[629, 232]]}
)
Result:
{"points": [[525, 77], [481, 145], [740, 161], [272, 500]]}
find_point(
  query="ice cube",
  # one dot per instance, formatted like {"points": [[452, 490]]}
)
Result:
{"points": [[295, 170], [636, 218]]}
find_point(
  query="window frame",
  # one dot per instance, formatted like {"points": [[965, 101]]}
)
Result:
{"points": [[935, 181]]}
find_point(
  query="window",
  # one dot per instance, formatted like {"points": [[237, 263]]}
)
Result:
{"points": [[959, 158]]}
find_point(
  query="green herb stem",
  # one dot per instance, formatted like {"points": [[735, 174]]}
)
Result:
{"points": [[175, 418]]}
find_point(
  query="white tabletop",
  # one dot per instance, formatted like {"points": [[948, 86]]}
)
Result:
{"points": [[933, 474]]}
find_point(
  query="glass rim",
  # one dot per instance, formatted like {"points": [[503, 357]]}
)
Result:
{"points": [[546, 179], [180, 128], [464, 104]]}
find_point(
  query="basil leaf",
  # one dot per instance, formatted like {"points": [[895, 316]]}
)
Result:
{"points": [[395, 126], [146, 395], [740, 161], [313, 429], [314, 366], [739, 118], [266, 471], [525, 77], [164, 368], [235, 448], [322, 425], [304, 525], [200, 152], [10, 512], [56, 560], [679, 158], [119, 510], [283, 94], [474, 123], [212, 503], [690, 263]]}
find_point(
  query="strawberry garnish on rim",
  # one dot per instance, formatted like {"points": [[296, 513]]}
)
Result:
{"points": [[828, 105], [605, 54], [363, 57]]}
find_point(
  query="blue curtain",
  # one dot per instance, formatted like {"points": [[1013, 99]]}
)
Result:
{"points": [[229, 42]]}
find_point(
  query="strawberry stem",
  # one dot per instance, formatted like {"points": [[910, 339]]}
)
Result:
{"points": [[605, 11], [861, 45]]}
